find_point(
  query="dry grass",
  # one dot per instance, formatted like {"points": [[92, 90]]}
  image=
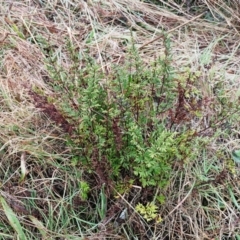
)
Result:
{"points": [[202, 200]]}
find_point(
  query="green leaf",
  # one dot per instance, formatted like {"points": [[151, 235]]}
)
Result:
{"points": [[102, 206], [16, 30], [236, 156], [161, 199], [84, 188], [13, 220], [233, 198], [238, 237]]}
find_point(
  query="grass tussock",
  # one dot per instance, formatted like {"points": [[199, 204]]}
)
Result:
{"points": [[119, 119]]}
